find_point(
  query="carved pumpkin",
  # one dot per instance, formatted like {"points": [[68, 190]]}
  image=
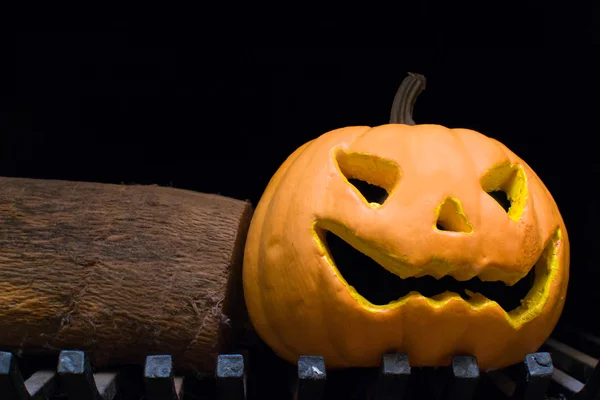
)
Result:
{"points": [[441, 266]]}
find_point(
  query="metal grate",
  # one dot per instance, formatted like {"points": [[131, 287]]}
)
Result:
{"points": [[563, 369]]}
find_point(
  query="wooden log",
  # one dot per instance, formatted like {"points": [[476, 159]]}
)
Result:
{"points": [[120, 271]]}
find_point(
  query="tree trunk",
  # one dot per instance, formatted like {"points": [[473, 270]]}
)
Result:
{"points": [[120, 271]]}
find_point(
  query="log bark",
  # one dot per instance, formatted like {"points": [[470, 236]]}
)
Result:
{"points": [[120, 271]]}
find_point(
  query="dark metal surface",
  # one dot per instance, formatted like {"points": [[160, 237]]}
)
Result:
{"points": [[11, 381], [538, 373], [75, 373], [39, 386], [159, 378], [576, 374], [560, 372], [465, 374], [393, 377], [231, 377], [312, 378]]}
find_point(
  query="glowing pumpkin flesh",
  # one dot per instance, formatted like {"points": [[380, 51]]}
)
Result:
{"points": [[437, 228]]}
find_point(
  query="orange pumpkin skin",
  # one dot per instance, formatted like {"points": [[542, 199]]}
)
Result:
{"points": [[300, 304]]}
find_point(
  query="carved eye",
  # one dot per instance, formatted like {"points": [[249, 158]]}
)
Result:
{"points": [[507, 185], [501, 198], [373, 177], [372, 193]]}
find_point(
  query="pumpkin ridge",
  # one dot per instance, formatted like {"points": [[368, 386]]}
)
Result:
{"points": [[257, 229]]}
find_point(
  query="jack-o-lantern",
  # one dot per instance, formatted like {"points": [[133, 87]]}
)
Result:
{"points": [[438, 265]]}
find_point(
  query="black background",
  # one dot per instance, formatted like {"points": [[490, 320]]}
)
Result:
{"points": [[215, 100]]}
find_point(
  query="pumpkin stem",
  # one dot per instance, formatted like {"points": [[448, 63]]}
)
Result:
{"points": [[406, 96]]}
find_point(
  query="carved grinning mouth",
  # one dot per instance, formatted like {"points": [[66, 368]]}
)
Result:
{"points": [[380, 286]]}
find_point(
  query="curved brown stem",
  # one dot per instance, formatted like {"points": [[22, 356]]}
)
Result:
{"points": [[404, 101]]}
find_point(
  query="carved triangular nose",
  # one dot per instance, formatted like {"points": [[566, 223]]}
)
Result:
{"points": [[451, 217]]}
